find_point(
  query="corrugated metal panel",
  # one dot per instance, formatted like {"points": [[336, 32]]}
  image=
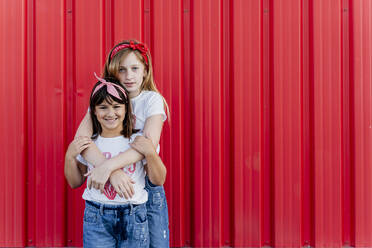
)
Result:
{"points": [[361, 127], [270, 137], [13, 125]]}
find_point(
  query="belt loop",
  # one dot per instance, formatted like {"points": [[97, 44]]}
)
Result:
{"points": [[131, 208], [101, 209]]}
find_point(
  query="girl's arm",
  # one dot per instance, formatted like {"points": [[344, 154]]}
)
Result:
{"points": [[100, 175], [74, 170], [93, 155], [155, 168]]}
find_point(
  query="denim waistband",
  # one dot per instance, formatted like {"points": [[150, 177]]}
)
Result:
{"points": [[105, 207]]}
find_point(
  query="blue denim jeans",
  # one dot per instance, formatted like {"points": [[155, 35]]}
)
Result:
{"points": [[157, 215], [115, 226]]}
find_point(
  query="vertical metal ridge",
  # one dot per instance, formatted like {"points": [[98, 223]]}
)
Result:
{"points": [[327, 130], [12, 108], [347, 88], [64, 58], [26, 117], [31, 168], [287, 121], [362, 12]]}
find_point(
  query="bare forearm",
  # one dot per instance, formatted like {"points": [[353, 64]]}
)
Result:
{"points": [[124, 159], [85, 127], [156, 169], [73, 175], [93, 155]]}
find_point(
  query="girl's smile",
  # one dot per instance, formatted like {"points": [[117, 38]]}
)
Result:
{"points": [[111, 117]]}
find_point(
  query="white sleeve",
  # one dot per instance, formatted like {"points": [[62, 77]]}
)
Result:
{"points": [[155, 106], [81, 160]]}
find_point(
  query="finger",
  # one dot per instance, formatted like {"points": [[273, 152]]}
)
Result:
{"points": [[130, 189], [80, 144], [94, 184], [133, 144], [118, 190], [126, 196], [89, 184], [82, 148], [101, 187], [122, 190], [127, 191]]}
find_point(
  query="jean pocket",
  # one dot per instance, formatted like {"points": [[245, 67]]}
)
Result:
{"points": [[90, 216], [140, 217]]}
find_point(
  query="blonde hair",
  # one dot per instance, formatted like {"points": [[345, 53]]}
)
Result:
{"points": [[111, 68]]}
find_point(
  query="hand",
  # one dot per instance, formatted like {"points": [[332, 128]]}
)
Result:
{"points": [[122, 184], [78, 145], [143, 145], [98, 177]]}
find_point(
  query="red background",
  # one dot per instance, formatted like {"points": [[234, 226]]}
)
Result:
{"points": [[270, 137]]}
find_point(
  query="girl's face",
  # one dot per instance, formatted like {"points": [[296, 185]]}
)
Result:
{"points": [[111, 117], [131, 74]]}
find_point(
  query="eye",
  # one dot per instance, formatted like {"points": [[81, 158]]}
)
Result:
{"points": [[121, 70], [135, 68], [102, 107]]}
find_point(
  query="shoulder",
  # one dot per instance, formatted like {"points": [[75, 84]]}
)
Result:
{"points": [[150, 95], [149, 98]]}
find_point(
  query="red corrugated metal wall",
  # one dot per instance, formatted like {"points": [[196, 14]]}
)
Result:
{"points": [[270, 137]]}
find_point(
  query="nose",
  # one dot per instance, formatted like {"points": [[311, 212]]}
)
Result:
{"points": [[130, 74], [111, 112]]}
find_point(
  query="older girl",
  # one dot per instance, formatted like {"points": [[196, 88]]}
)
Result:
{"points": [[130, 62]]}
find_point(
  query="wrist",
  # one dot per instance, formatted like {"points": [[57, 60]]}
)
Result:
{"points": [[109, 166], [151, 155]]}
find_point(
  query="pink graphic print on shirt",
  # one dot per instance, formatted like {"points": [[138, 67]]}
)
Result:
{"points": [[109, 190]]}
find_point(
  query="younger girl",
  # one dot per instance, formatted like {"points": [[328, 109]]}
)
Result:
{"points": [[111, 220], [130, 62]]}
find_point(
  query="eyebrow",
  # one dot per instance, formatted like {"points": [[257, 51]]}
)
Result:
{"points": [[121, 66]]}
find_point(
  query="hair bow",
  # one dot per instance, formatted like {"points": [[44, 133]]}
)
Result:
{"points": [[110, 88], [140, 47]]}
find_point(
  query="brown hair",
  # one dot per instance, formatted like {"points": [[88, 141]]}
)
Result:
{"points": [[101, 95], [111, 68]]}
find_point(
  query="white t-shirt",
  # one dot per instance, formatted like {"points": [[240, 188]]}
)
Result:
{"points": [[146, 104], [111, 147]]}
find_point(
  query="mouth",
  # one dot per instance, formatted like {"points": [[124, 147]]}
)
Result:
{"points": [[110, 120], [129, 84]]}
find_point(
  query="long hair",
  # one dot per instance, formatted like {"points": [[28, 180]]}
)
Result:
{"points": [[111, 68], [100, 96]]}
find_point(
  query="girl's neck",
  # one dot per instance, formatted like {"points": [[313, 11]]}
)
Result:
{"points": [[110, 134], [134, 94]]}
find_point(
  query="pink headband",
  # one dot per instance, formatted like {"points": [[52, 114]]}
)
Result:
{"points": [[110, 88], [140, 47]]}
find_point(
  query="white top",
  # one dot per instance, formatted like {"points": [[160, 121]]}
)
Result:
{"points": [[111, 147], [146, 104]]}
